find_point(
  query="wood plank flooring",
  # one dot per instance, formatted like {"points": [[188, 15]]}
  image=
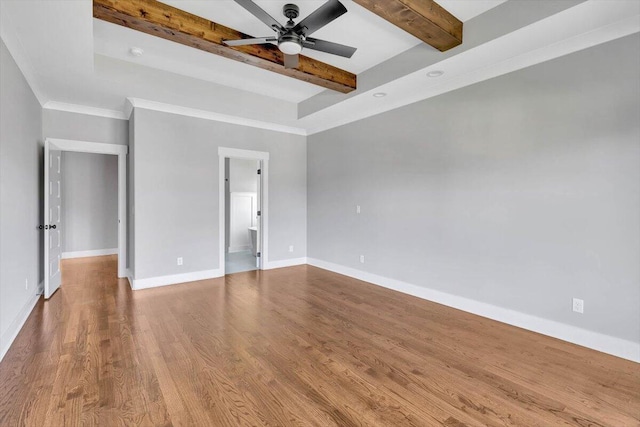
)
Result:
{"points": [[292, 347]]}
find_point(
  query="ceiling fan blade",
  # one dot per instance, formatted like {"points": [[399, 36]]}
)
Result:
{"points": [[259, 13], [291, 61], [320, 17], [242, 42], [329, 47]]}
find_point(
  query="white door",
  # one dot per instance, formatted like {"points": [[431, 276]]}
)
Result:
{"points": [[259, 218], [242, 216], [52, 219]]}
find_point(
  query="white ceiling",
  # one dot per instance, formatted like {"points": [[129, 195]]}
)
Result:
{"points": [[73, 61]]}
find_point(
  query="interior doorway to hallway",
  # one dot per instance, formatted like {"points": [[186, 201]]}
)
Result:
{"points": [[53, 205]]}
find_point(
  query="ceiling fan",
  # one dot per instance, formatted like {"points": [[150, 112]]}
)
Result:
{"points": [[292, 38]]}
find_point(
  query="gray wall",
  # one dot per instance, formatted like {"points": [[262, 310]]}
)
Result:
{"points": [[90, 204], [84, 127], [522, 191], [89, 201], [176, 191], [20, 145]]}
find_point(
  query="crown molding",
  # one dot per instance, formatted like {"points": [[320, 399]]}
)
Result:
{"points": [[128, 108], [210, 115], [83, 109]]}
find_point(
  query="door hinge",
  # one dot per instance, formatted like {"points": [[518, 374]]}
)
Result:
{"points": [[259, 213], [259, 171], [258, 254]]}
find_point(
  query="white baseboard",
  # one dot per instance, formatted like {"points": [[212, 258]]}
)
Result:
{"points": [[154, 282], [607, 344], [284, 263], [233, 249], [10, 335], [84, 254]]}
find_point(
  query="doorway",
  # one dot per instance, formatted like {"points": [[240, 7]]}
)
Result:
{"points": [[53, 183], [243, 210]]}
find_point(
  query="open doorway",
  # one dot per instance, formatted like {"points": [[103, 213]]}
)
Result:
{"points": [[89, 205], [242, 182], [56, 221], [243, 210]]}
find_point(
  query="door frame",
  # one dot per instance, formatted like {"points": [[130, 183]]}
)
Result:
{"points": [[263, 157], [112, 149]]}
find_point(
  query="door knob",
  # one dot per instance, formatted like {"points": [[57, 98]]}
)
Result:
{"points": [[53, 226]]}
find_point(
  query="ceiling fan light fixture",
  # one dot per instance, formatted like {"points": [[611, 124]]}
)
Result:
{"points": [[290, 47], [290, 44]]}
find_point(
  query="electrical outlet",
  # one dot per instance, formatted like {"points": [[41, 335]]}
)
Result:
{"points": [[357, 209], [362, 259], [26, 284], [578, 305], [291, 248], [180, 261]]}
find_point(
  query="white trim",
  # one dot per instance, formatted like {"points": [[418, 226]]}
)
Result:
{"points": [[87, 147], [217, 117], [128, 108], [45, 216], [111, 149], [237, 153], [174, 279], [91, 253], [285, 263], [14, 329], [222, 228], [263, 157], [84, 109], [607, 344], [244, 248], [122, 213]]}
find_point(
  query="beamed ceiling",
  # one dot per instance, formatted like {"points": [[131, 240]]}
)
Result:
{"points": [[424, 19]]}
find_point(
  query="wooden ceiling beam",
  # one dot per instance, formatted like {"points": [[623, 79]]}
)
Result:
{"points": [[170, 23], [425, 19]]}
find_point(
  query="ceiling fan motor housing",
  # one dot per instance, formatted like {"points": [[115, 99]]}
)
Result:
{"points": [[291, 11]]}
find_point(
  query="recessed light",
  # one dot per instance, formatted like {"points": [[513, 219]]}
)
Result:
{"points": [[435, 73], [136, 51], [380, 95]]}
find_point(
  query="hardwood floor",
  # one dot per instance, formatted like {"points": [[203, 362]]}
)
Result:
{"points": [[295, 346]]}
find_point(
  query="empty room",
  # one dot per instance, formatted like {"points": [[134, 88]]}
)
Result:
{"points": [[320, 212]]}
